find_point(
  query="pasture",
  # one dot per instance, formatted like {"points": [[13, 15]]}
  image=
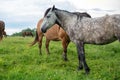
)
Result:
{"points": [[18, 61]]}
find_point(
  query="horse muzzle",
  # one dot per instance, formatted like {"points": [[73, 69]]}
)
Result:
{"points": [[43, 29]]}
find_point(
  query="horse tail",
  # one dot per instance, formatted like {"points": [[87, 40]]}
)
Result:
{"points": [[35, 40]]}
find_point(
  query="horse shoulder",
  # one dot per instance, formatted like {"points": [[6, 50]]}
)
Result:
{"points": [[52, 33], [39, 32]]}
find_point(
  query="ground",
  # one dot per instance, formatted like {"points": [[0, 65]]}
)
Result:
{"points": [[19, 61]]}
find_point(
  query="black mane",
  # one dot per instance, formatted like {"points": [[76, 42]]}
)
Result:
{"points": [[46, 11], [79, 14]]}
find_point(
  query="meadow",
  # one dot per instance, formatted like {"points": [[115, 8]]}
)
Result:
{"points": [[19, 61]]}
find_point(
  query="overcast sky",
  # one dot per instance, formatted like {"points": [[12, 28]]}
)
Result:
{"points": [[21, 14]]}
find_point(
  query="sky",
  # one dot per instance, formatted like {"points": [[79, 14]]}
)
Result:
{"points": [[22, 14]]}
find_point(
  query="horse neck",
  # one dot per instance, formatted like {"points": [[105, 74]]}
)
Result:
{"points": [[64, 18]]}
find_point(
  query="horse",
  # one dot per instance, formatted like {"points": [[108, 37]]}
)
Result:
{"points": [[4, 33], [56, 33], [98, 31], [2, 28], [27, 33]]}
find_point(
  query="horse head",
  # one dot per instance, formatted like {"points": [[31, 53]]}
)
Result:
{"points": [[49, 20]]}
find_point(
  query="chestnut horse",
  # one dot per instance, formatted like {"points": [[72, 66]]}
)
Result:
{"points": [[55, 34], [27, 33], [2, 28], [4, 33]]}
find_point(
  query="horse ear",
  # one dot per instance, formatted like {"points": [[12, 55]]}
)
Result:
{"points": [[53, 8]]}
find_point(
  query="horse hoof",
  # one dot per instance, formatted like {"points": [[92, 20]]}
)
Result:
{"points": [[48, 53], [87, 71], [40, 53], [80, 67], [65, 59]]}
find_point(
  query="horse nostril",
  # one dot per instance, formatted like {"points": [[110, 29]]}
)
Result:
{"points": [[43, 30]]}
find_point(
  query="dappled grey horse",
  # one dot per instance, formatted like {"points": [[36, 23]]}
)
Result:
{"points": [[101, 30]]}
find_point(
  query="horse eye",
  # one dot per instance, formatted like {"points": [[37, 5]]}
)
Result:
{"points": [[48, 16]]}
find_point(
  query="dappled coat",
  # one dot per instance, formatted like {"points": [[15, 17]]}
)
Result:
{"points": [[101, 30]]}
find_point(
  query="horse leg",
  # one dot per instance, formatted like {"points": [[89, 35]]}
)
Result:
{"points": [[32, 35], [47, 46], [81, 57], [80, 67], [40, 44], [65, 44]]}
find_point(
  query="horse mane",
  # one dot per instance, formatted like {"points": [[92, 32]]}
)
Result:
{"points": [[46, 12], [81, 15]]}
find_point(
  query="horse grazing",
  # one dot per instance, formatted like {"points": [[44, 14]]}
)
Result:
{"points": [[27, 33], [2, 28], [100, 30], [55, 34]]}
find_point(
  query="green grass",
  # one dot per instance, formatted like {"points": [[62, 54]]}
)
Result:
{"points": [[18, 61]]}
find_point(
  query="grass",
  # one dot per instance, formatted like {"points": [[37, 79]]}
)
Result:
{"points": [[18, 61]]}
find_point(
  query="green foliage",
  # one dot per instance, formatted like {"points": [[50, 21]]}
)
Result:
{"points": [[28, 30], [19, 61]]}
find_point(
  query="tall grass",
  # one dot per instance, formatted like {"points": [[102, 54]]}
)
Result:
{"points": [[18, 61]]}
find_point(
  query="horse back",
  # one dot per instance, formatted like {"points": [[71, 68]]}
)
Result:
{"points": [[100, 30]]}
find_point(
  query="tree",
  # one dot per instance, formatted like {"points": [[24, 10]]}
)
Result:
{"points": [[20, 33]]}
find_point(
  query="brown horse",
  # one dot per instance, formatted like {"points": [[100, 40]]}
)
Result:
{"points": [[4, 33], [27, 33], [55, 34], [2, 28]]}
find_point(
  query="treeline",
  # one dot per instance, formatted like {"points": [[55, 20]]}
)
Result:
{"points": [[28, 30]]}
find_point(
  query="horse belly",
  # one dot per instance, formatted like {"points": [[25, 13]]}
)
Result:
{"points": [[105, 39]]}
